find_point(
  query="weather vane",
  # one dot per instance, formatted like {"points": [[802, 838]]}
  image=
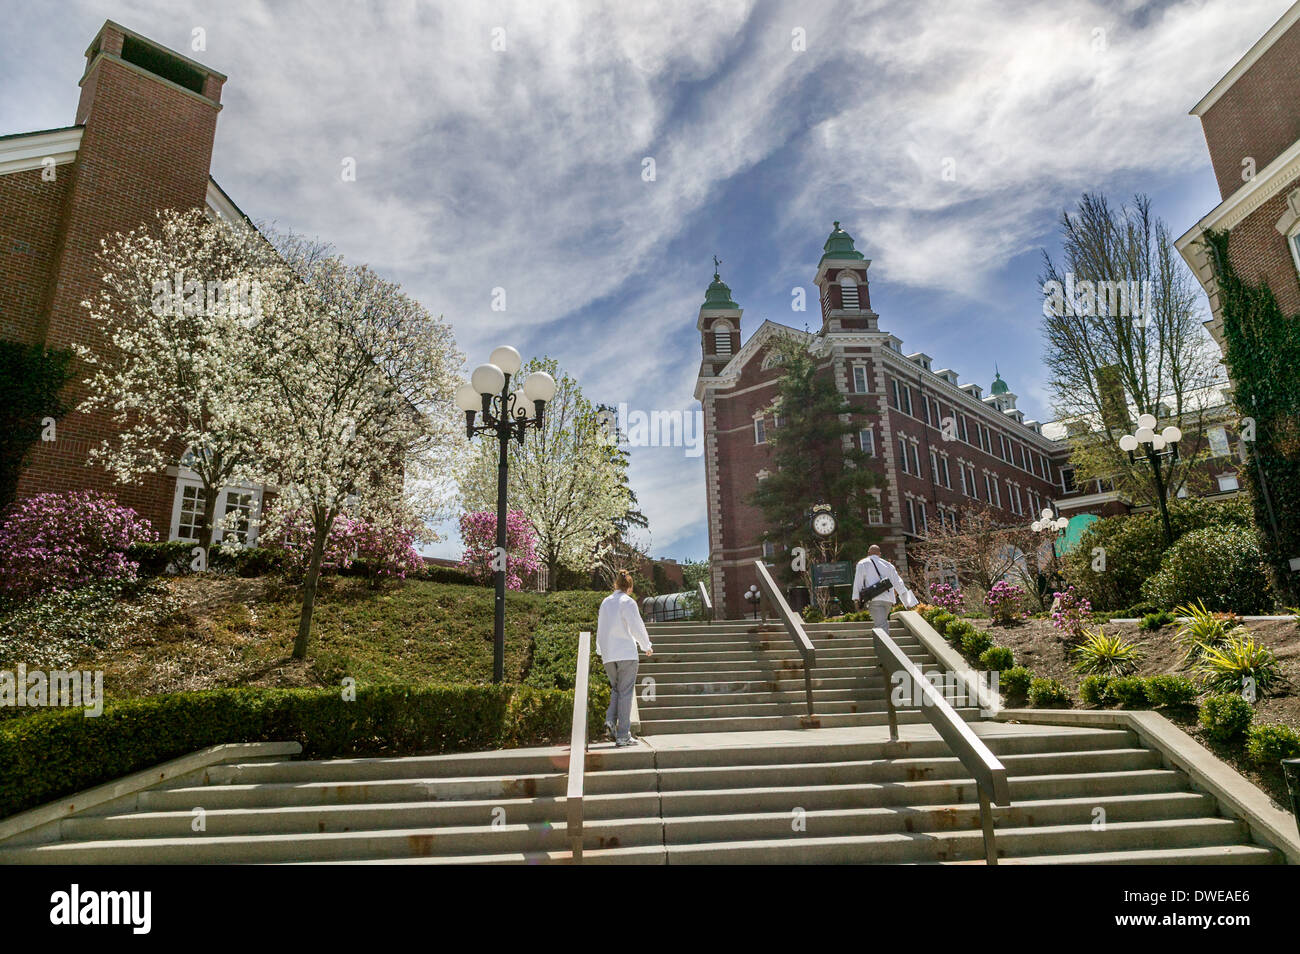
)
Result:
{"points": [[716, 262]]}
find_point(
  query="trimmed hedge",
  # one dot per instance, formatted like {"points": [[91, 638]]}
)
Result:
{"points": [[57, 753], [1226, 717], [1223, 567]]}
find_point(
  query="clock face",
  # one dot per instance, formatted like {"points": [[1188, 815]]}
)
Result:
{"points": [[823, 525]]}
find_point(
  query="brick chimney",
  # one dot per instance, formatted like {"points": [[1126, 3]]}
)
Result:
{"points": [[149, 118]]}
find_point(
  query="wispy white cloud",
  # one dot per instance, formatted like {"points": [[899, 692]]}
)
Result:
{"points": [[522, 168]]}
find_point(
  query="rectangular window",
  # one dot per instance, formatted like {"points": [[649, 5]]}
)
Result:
{"points": [[1218, 441], [907, 399], [916, 462], [867, 441], [902, 454], [893, 394], [934, 465], [925, 521], [947, 480], [860, 379], [1228, 482], [875, 517], [911, 516], [240, 505], [961, 420], [760, 432], [769, 548], [1067, 479], [191, 513]]}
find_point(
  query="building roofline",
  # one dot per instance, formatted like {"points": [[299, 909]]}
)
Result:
{"points": [[1252, 56]]}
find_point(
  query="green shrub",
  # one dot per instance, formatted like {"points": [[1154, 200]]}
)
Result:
{"points": [[1167, 690], [1266, 745], [1100, 653], [56, 753], [555, 640], [247, 561], [1226, 716], [940, 621], [975, 642], [1222, 566], [998, 658], [1137, 611], [1015, 681], [1094, 690], [1228, 667], [446, 574], [1154, 621], [1048, 693], [157, 559], [1128, 692], [1134, 545], [957, 631]]}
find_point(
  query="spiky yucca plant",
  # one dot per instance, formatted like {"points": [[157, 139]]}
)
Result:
{"points": [[1228, 666], [1107, 655], [1202, 630]]}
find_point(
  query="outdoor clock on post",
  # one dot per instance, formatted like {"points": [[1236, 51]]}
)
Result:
{"points": [[823, 521]]}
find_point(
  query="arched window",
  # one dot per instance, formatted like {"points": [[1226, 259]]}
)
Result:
{"points": [[722, 339], [849, 291]]}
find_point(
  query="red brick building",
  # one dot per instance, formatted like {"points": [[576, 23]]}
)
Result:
{"points": [[141, 141], [938, 444], [1251, 121]]}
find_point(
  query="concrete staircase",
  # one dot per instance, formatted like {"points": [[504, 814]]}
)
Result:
{"points": [[724, 773], [741, 676]]}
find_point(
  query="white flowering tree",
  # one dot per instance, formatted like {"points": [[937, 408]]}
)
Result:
{"points": [[179, 307], [569, 479], [356, 415]]}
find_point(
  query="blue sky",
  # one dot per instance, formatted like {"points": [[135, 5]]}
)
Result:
{"points": [[522, 167]]}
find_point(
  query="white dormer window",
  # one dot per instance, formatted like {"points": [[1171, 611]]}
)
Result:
{"points": [[849, 291]]}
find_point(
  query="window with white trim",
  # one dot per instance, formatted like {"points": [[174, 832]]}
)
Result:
{"points": [[875, 516], [902, 454], [916, 461], [1218, 437], [191, 512], [760, 431], [911, 516], [947, 478], [867, 441], [860, 379], [925, 522]]}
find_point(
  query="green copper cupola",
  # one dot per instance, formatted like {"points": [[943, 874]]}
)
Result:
{"points": [[839, 245], [718, 295], [999, 386]]}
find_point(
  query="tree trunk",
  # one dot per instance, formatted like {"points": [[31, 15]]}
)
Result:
{"points": [[309, 590], [211, 497]]}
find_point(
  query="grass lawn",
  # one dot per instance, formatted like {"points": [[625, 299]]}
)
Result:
{"points": [[219, 631]]}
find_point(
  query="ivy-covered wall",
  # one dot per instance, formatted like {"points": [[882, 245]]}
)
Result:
{"points": [[1262, 353], [31, 377]]}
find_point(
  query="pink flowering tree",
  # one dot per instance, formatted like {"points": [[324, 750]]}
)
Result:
{"points": [[948, 597], [478, 532], [1005, 601], [62, 541], [387, 552], [1070, 612]]}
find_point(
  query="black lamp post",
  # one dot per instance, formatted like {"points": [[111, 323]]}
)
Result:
{"points": [[505, 414], [1157, 448], [754, 596]]}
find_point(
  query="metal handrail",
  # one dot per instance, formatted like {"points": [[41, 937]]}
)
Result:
{"points": [[793, 626], [989, 773], [706, 604], [578, 747]]}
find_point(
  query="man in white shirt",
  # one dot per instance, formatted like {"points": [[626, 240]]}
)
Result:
{"points": [[620, 634], [871, 570]]}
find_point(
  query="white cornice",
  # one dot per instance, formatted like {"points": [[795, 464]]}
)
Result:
{"points": [[24, 153], [1262, 46]]}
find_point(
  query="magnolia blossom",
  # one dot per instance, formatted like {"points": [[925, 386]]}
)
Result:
{"points": [[478, 531]]}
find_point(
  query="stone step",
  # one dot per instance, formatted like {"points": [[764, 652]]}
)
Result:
{"points": [[965, 845], [1207, 855], [711, 709], [886, 770], [772, 657], [764, 723], [742, 671]]}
